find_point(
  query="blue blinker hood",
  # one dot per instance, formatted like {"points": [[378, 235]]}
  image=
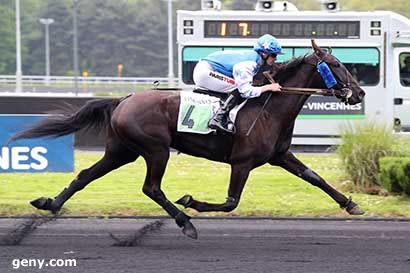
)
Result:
{"points": [[326, 74]]}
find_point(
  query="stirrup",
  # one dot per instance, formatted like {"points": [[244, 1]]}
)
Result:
{"points": [[217, 126]]}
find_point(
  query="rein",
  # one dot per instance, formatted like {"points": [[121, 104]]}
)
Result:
{"points": [[344, 92], [308, 91], [329, 79]]}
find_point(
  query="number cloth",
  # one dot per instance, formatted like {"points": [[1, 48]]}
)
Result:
{"points": [[195, 111]]}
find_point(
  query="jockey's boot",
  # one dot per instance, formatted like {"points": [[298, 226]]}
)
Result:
{"points": [[220, 121]]}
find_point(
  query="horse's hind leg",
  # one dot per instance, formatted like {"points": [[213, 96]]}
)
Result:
{"points": [[239, 175], [114, 157], [290, 163], [156, 164]]}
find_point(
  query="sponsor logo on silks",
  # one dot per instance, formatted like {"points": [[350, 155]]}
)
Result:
{"points": [[222, 78]]}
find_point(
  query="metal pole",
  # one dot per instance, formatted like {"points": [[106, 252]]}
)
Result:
{"points": [[47, 57], [47, 22], [170, 47], [18, 49], [75, 46]]}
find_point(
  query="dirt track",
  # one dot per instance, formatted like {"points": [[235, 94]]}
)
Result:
{"points": [[224, 245]]}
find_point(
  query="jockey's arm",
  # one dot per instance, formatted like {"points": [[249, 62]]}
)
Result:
{"points": [[243, 74]]}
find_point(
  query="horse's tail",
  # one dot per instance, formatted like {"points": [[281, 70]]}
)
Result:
{"points": [[94, 114]]}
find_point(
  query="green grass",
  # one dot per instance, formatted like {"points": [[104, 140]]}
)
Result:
{"points": [[270, 191]]}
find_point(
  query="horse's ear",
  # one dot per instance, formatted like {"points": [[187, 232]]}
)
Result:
{"points": [[317, 49]]}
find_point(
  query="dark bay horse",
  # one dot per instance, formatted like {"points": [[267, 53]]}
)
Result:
{"points": [[145, 124]]}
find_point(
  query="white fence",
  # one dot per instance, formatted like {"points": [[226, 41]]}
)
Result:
{"points": [[53, 80]]}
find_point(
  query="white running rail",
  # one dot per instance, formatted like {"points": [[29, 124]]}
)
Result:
{"points": [[34, 80]]}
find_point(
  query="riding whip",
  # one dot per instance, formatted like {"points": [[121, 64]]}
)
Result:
{"points": [[269, 77]]}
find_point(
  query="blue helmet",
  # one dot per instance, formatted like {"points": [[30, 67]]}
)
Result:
{"points": [[267, 44]]}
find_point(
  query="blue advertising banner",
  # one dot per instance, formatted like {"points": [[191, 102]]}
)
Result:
{"points": [[33, 155]]}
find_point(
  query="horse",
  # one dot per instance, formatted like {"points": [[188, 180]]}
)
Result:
{"points": [[145, 124]]}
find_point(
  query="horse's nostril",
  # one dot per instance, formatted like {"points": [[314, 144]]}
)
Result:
{"points": [[362, 94]]}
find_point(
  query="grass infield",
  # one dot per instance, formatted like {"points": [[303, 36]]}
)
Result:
{"points": [[270, 191]]}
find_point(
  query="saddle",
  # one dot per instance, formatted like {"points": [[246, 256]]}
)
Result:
{"points": [[219, 95]]}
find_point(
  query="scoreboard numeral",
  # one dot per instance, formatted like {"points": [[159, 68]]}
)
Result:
{"points": [[223, 29], [244, 27]]}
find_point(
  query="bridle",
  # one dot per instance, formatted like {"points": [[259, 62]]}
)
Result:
{"points": [[345, 92]]}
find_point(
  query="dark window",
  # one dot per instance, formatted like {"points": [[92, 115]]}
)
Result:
{"points": [[404, 61]]}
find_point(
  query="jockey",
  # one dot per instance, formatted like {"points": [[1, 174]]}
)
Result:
{"points": [[232, 71]]}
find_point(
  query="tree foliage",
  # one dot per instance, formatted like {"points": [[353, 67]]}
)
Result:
{"points": [[7, 44], [133, 33]]}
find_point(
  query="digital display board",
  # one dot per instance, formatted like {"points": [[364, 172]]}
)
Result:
{"points": [[282, 29]]}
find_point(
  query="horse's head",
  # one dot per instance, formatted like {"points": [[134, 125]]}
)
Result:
{"points": [[334, 73]]}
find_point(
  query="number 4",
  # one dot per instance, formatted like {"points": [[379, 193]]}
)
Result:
{"points": [[187, 121]]}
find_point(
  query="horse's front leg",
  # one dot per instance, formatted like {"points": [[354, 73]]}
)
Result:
{"points": [[157, 160], [290, 163], [239, 175]]}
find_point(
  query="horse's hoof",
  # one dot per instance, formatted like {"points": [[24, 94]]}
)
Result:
{"points": [[185, 200], [189, 230], [356, 210], [41, 203], [44, 204]]}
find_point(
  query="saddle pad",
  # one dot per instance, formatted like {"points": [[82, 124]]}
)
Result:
{"points": [[195, 111]]}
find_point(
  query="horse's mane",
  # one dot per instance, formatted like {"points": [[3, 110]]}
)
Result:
{"points": [[287, 69]]}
